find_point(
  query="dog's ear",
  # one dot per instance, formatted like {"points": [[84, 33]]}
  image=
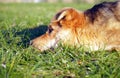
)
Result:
{"points": [[62, 15], [65, 15]]}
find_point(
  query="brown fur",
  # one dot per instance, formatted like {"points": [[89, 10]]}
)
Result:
{"points": [[96, 28]]}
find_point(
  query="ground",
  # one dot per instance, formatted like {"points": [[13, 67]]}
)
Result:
{"points": [[21, 22]]}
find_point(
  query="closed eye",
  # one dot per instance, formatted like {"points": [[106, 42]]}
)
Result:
{"points": [[59, 24], [50, 29]]}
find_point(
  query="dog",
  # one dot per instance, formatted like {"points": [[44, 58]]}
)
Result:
{"points": [[94, 29]]}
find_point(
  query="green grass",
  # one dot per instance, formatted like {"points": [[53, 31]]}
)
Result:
{"points": [[19, 23]]}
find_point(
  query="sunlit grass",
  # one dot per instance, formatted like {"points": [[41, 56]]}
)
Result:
{"points": [[19, 23]]}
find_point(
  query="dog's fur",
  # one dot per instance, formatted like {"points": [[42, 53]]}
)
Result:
{"points": [[96, 28]]}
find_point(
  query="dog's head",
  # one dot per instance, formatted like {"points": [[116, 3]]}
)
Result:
{"points": [[60, 29]]}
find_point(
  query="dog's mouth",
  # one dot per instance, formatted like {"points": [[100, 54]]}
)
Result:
{"points": [[44, 43]]}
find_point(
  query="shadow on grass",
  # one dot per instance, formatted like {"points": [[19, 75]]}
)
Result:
{"points": [[29, 34]]}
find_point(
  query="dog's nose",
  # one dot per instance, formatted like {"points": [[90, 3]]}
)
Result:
{"points": [[31, 42]]}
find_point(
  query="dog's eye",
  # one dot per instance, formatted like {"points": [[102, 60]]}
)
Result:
{"points": [[50, 29], [59, 24]]}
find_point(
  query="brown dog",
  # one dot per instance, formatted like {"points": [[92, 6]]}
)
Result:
{"points": [[96, 28]]}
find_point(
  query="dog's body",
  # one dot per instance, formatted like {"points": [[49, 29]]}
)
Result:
{"points": [[96, 28]]}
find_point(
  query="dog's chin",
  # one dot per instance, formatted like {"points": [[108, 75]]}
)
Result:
{"points": [[43, 47]]}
